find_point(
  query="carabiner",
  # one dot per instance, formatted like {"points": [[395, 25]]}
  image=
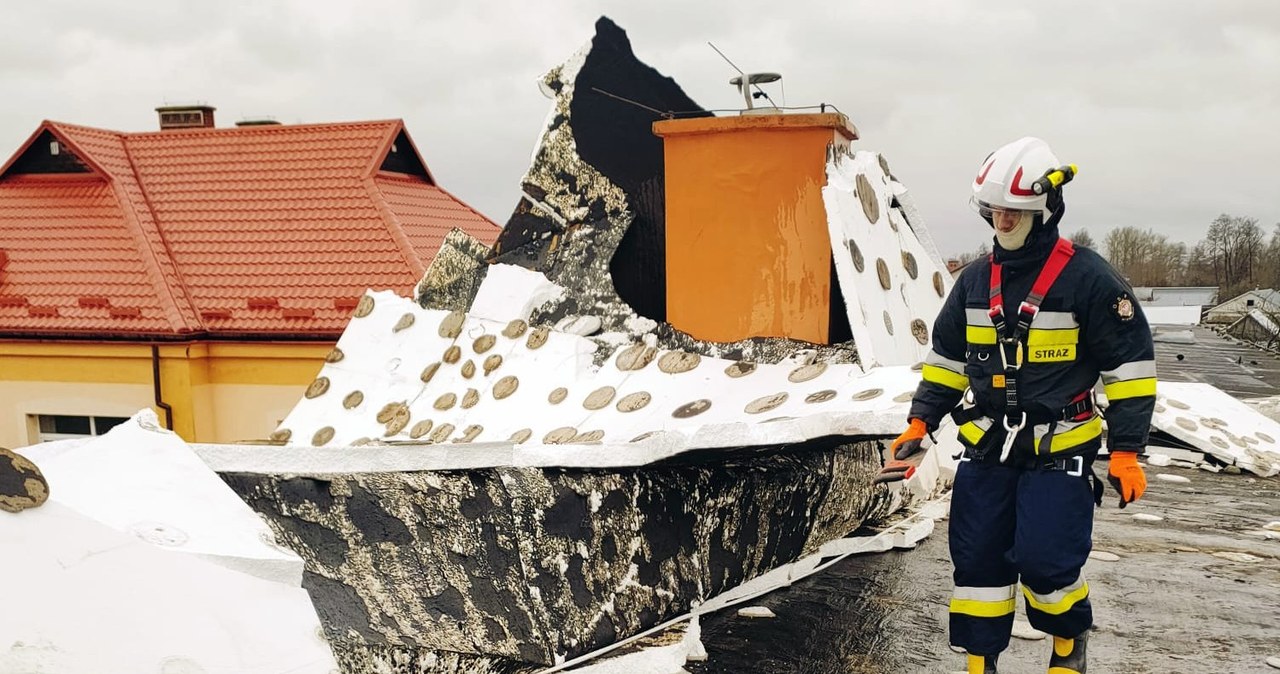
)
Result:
{"points": [[1011, 434]]}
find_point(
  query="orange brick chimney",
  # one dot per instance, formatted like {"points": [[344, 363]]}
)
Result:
{"points": [[747, 248]]}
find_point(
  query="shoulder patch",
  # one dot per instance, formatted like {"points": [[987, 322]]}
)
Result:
{"points": [[1123, 307]]}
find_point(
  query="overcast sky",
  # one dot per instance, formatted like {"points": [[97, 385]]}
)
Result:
{"points": [[1171, 109]]}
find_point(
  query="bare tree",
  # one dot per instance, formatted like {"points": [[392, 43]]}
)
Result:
{"points": [[1199, 267], [1082, 238], [1269, 264], [982, 251], [1234, 247], [1145, 257]]}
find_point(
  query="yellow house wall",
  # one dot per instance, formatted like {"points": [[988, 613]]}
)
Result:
{"points": [[20, 399], [219, 392]]}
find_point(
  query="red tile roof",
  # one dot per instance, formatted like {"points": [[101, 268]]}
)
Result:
{"points": [[256, 231]]}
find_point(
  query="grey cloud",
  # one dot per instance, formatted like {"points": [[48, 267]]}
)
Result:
{"points": [[1166, 106]]}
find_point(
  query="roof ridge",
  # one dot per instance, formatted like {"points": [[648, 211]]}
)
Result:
{"points": [[155, 267], [257, 129], [395, 228], [82, 127]]}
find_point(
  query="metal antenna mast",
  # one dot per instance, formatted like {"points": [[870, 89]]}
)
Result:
{"points": [[749, 80]]}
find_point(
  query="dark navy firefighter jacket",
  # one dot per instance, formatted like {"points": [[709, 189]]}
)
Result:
{"points": [[1089, 326]]}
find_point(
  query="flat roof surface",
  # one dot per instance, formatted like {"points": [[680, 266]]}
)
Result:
{"points": [[1241, 370]]}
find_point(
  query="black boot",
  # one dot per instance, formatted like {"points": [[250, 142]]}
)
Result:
{"points": [[983, 664], [1068, 655]]}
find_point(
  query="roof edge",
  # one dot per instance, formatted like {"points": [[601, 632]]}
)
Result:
{"points": [[144, 336]]}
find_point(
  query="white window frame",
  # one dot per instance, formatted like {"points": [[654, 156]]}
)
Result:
{"points": [[50, 437]]}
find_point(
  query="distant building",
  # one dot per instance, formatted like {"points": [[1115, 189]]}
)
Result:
{"points": [[1255, 326], [1267, 301], [1177, 296], [204, 272], [955, 267]]}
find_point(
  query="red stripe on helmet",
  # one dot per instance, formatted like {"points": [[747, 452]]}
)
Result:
{"points": [[985, 170], [1018, 191]]}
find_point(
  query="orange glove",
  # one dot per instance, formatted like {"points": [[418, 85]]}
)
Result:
{"points": [[909, 441], [906, 454], [1126, 476]]}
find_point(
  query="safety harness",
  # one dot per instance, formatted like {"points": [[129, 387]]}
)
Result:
{"points": [[1012, 337]]}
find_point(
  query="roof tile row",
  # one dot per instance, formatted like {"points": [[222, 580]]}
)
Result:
{"points": [[174, 232]]}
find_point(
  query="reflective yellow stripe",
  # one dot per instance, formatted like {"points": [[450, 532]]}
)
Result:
{"points": [[1042, 337], [1061, 605], [972, 432], [945, 377], [1134, 388], [977, 334], [1074, 437], [983, 609]]}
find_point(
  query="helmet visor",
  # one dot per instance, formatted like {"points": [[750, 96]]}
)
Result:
{"points": [[989, 211]]}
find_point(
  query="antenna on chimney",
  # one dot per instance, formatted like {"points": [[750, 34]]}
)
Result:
{"points": [[746, 81]]}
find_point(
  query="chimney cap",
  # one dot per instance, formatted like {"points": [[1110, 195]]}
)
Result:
{"points": [[259, 121], [173, 107]]}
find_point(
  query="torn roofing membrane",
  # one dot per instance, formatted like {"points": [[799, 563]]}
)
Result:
{"points": [[580, 365]]}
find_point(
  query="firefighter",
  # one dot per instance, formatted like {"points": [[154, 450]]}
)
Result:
{"points": [[1017, 350]]}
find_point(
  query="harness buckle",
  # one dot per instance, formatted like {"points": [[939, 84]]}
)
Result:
{"points": [[1078, 459], [1022, 422], [1028, 309]]}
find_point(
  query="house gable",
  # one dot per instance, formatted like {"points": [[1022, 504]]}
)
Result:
{"points": [[48, 154], [402, 158], [49, 151]]}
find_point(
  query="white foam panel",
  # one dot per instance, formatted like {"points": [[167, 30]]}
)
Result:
{"points": [[892, 286], [562, 398], [1218, 425]]}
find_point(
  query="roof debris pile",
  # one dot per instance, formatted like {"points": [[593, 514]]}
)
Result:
{"points": [[1202, 417], [418, 474]]}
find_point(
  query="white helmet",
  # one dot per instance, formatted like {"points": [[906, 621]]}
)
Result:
{"points": [[1008, 178]]}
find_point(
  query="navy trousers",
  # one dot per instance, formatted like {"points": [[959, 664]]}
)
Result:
{"points": [[1010, 525]]}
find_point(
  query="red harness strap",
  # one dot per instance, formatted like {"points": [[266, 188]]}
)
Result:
{"points": [[1011, 342], [1027, 311]]}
